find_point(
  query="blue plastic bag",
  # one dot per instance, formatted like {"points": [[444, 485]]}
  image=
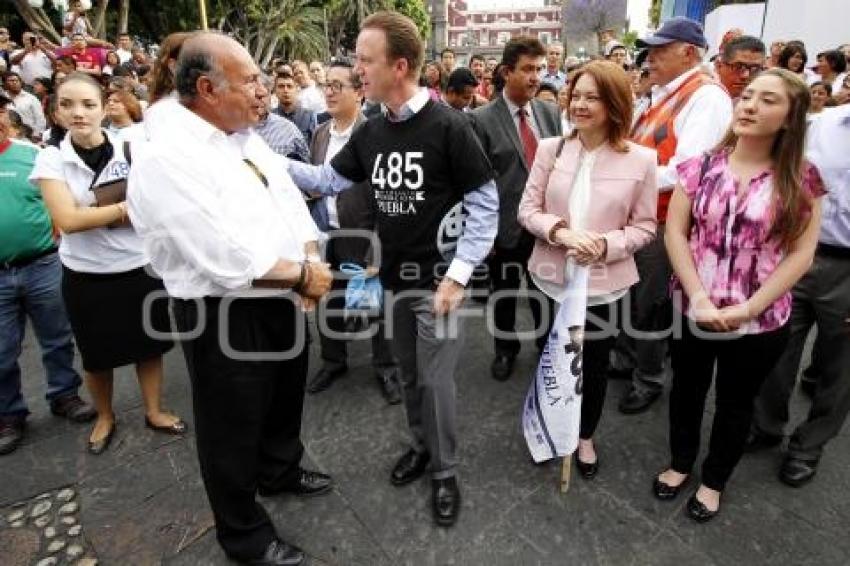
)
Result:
{"points": [[363, 293]]}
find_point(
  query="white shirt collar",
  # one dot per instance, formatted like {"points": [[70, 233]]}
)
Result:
{"points": [[658, 91], [69, 154], [513, 108], [191, 124]]}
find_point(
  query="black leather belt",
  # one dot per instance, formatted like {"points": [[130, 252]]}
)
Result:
{"points": [[829, 250], [25, 261]]}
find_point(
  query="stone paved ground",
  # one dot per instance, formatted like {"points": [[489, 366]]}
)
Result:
{"points": [[143, 503]]}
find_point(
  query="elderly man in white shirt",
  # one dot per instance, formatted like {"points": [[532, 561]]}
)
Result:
{"points": [[220, 217], [689, 113]]}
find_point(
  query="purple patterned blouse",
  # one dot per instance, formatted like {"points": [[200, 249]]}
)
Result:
{"points": [[730, 239]]}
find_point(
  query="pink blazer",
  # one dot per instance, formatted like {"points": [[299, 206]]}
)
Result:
{"points": [[622, 206]]}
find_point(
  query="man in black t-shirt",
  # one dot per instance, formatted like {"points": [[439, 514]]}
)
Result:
{"points": [[437, 215]]}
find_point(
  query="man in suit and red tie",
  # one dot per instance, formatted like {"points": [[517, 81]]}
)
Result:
{"points": [[510, 128]]}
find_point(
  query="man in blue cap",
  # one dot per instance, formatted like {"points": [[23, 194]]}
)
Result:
{"points": [[689, 112]]}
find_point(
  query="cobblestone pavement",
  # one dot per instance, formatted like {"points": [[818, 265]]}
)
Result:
{"points": [[143, 503]]}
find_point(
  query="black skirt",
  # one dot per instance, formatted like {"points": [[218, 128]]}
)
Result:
{"points": [[107, 317]]}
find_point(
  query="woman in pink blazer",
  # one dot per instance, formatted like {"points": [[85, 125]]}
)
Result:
{"points": [[591, 200]]}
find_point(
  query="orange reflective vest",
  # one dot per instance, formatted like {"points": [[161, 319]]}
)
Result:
{"points": [[656, 128]]}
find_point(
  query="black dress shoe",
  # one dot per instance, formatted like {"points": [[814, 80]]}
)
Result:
{"points": [[587, 470], [390, 387], [758, 440], [309, 483], [73, 408], [502, 367], [638, 401], [410, 467], [446, 501], [324, 378], [797, 472], [667, 492], [278, 553], [698, 511], [99, 447], [11, 435], [178, 428]]}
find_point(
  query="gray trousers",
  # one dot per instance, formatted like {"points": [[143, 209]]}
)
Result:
{"points": [[427, 349], [822, 298], [650, 311]]}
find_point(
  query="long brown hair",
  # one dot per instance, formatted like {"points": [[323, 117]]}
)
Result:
{"points": [[615, 89], [787, 153], [162, 79]]}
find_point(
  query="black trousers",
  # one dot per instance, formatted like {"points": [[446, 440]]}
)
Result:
{"points": [[334, 350], [507, 267], [247, 413], [600, 333], [743, 363]]}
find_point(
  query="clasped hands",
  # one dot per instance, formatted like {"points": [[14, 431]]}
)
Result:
{"points": [[726, 319], [584, 246]]}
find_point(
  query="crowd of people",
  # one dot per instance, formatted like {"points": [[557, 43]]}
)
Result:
{"points": [[710, 200]]}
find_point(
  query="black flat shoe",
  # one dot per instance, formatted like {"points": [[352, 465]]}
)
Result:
{"points": [[666, 492], [279, 553], [698, 511], [797, 472], [587, 471], [99, 447], [409, 467], [446, 501], [309, 484], [178, 428]]}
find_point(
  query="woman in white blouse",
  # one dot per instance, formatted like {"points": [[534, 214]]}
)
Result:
{"points": [[118, 312]]}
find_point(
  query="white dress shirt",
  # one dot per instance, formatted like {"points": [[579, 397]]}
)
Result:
{"points": [[699, 126], [29, 107], [311, 98], [335, 143], [828, 148], [210, 224]]}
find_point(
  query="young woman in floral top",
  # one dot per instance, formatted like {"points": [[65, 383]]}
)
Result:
{"points": [[742, 229]]}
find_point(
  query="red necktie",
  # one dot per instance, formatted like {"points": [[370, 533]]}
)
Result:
{"points": [[526, 135]]}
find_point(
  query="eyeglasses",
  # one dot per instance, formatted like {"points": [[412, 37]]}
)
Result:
{"points": [[335, 86], [741, 67]]}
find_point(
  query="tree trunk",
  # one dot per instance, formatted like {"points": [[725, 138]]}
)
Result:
{"points": [[36, 19], [100, 19], [123, 15]]}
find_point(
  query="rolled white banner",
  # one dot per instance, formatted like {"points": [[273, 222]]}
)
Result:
{"points": [[552, 412]]}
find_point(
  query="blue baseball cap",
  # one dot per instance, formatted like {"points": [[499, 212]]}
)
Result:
{"points": [[676, 29]]}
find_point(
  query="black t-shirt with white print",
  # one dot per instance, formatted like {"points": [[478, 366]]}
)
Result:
{"points": [[419, 171]]}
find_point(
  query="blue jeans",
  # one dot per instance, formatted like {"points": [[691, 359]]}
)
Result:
{"points": [[34, 291]]}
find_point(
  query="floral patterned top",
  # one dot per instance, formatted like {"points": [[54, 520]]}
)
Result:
{"points": [[730, 238]]}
